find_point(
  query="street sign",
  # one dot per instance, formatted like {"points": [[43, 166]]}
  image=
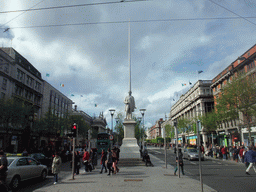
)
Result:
{"points": [[111, 137]]}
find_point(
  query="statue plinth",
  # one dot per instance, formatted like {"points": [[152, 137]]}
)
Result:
{"points": [[129, 148]]}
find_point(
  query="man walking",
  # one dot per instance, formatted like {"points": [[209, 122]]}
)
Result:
{"points": [[250, 157], [3, 171]]}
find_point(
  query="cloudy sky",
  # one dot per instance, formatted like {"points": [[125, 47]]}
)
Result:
{"points": [[85, 47]]}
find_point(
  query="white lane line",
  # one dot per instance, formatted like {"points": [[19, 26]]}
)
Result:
{"points": [[158, 152], [193, 163]]}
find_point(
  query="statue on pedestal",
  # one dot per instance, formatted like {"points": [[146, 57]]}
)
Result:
{"points": [[129, 105]]}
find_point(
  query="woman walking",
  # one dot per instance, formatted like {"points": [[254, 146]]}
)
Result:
{"points": [[102, 161], [56, 163]]}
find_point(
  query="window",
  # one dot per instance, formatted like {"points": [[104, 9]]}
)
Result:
{"points": [[6, 68], [4, 84], [251, 66], [20, 75], [2, 96], [18, 90], [32, 162], [38, 86], [22, 162]]}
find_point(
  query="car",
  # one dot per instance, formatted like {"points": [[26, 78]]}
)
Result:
{"points": [[191, 154], [40, 157], [23, 168]]}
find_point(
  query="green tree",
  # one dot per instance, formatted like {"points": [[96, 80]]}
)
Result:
{"points": [[237, 102], [209, 121], [119, 128], [184, 125]]}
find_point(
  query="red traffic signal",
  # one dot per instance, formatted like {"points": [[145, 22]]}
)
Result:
{"points": [[74, 127]]}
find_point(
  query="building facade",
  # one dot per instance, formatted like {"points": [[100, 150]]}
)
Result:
{"points": [[233, 132], [20, 80], [197, 101]]}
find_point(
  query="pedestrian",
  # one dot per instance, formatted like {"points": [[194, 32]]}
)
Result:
{"points": [[92, 158], [77, 163], [231, 151], [25, 153], [147, 160], [56, 164], [179, 162], [246, 163], [3, 171], [224, 153], [103, 160], [241, 151], [250, 157], [236, 152], [114, 159], [86, 157], [109, 162]]}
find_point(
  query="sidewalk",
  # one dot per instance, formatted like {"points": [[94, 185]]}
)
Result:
{"points": [[129, 179]]}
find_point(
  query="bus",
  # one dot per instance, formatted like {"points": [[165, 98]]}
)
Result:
{"points": [[103, 142]]}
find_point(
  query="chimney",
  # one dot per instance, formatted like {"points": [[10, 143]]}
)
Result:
{"points": [[75, 107]]}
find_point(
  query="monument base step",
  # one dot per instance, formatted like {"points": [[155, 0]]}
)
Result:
{"points": [[130, 162]]}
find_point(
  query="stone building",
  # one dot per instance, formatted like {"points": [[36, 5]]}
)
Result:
{"points": [[197, 101], [20, 80]]}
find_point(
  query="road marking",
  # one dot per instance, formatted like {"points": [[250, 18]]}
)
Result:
{"points": [[158, 152], [193, 163]]}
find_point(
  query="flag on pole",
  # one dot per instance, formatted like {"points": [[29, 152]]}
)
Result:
{"points": [[184, 84], [96, 105], [72, 95], [200, 72], [62, 85], [47, 75]]}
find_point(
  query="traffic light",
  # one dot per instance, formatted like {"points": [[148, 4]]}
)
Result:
{"points": [[74, 129]]}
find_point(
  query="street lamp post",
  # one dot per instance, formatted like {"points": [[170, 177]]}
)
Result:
{"points": [[140, 131], [117, 121], [142, 111], [112, 111], [177, 148]]}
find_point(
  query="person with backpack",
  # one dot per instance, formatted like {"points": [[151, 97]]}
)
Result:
{"points": [[250, 157], [179, 162]]}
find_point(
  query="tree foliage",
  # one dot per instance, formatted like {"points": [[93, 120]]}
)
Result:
{"points": [[209, 121], [237, 101]]}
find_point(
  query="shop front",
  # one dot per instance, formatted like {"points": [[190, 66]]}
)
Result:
{"points": [[192, 140], [245, 136]]}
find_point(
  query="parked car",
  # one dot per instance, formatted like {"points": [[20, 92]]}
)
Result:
{"points": [[40, 157], [23, 168], [191, 154]]}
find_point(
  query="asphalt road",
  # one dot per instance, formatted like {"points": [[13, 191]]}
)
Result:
{"points": [[221, 175]]}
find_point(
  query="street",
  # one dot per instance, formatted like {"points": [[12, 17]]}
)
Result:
{"points": [[218, 174]]}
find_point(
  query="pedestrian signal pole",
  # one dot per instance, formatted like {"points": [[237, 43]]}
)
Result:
{"points": [[199, 153], [74, 130]]}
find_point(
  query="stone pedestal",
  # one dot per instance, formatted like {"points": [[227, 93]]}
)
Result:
{"points": [[129, 148]]}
